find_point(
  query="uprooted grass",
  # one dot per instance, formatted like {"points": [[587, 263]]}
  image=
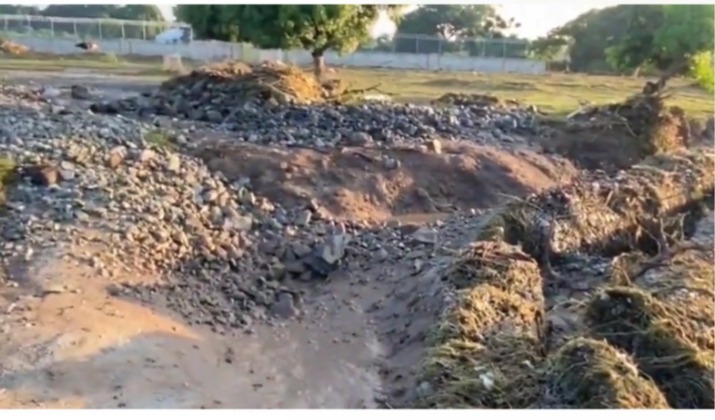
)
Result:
{"points": [[486, 351], [683, 278], [619, 135], [587, 373], [607, 215], [8, 175], [654, 334]]}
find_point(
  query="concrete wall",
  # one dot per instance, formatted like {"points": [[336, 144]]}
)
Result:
{"points": [[215, 50]]}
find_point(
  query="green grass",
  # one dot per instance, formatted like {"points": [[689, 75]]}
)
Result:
{"points": [[555, 93]]}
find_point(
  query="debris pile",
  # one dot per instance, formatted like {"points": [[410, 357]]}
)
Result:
{"points": [[12, 48], [587, 373], [616, 136], [486, 350], [654, 334], [607, 215]]}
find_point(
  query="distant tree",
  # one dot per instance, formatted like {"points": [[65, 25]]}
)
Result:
{"points": [[146, 12], [80, 10], [450, 25], [210, 21], [316, 28], [16, 9]]}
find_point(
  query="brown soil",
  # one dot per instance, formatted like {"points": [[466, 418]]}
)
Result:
{"points": [[619, 135], [357, 184], [65, 342]]}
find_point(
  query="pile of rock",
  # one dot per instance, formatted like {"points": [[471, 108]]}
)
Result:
{"points": [[127, 205]]}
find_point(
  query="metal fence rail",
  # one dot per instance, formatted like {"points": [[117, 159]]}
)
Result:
{"points": [[81, 28], [470, 47], [105, 29]]}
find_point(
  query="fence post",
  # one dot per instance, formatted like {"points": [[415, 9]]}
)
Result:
{"points": [[123, 35], [417, 45], [100, 29], [74, 26]]}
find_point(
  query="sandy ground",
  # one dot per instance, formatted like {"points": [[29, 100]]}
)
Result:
{"points": [[66, 342]]}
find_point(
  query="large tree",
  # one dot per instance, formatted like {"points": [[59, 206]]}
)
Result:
{"points": [[627, 37], [316, 28], [666, 37]]}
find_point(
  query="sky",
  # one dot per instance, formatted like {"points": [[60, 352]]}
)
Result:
{"points": [[536, 18]]}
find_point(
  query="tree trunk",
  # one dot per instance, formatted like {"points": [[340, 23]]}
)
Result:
{"points": [[637, 71], [318, 64]]}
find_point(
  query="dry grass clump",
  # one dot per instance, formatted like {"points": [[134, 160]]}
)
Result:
{"points": [[8, 174], [465, 99], [607, 215], [231, 83], [12, 48], [486, 350], [655, 335], [587, 373]]}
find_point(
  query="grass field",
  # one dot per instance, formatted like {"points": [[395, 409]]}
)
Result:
{"points": [[555, 93]]}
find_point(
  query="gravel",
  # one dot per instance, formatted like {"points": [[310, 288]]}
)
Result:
{"points": [[97, 185]]}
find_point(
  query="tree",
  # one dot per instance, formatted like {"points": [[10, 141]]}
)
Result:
{"points": [[450, 25], [16, 9], [210, 21], [317, 28]]}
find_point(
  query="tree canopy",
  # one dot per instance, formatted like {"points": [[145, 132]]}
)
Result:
{"points": [[450, 26], [316, 28], [627, 37], [146, 12]]}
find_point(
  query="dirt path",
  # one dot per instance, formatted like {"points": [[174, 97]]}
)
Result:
{"points": [[66, 342]]}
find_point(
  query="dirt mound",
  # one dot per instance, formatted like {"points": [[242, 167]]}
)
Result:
{"points": [[373, 184], [586, 373], [607, 215], [619, 135], [473, 99], [634, 321], [12, 48], [485, 351], [226, 85]]}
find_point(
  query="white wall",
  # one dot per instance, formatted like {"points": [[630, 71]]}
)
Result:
{"points": [[215, 50]]}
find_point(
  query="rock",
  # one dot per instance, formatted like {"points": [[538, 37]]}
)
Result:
{"points": [[80, 92], [426, 235], [51, 93], [303, 218], [44, 175], [284, 306], [359, 139], [434, 146]]}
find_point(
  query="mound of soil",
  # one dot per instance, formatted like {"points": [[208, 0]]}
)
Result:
{"points": [[587, 373], [232, 83], [484, 352], [373, 184], [474, 99], [12, 48], [634, 321], [607, 215], [619, 135]]}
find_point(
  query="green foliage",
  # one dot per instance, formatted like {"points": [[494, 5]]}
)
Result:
{"points": [[701, 69], [452, 25], [627, 37], [147, 12], [312, 27], [210, 21]]}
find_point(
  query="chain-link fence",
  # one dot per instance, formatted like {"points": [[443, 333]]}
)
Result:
{"points": [[474, 47], [81, 28]]}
